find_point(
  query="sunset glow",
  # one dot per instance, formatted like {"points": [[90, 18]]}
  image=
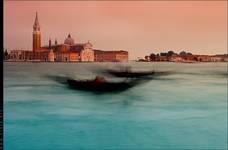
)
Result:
{"points": [[138, 27]]}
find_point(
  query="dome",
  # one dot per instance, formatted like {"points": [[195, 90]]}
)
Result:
{"points": [[88, 44], [69, 40]]}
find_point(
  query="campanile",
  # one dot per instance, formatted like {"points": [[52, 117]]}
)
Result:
{"points": [[36, 35]]}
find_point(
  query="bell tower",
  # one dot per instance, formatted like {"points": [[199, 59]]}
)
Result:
{"points": [[49, 43], [36, 35]]}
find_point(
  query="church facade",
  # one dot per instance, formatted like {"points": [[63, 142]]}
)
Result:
{"points": [[68, 51]]}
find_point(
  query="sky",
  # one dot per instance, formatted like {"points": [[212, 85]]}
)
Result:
{"points": [[139, 27]]}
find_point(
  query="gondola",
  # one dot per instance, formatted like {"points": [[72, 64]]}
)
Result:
{"points": [[99, 84], [130, 74]]}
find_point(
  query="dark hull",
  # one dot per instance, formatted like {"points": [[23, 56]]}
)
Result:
{"points": [[131, 74], [102, 87]]}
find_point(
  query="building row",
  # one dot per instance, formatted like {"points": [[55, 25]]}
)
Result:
{"points": [[189, 58], [51, 56], [68, 51]]}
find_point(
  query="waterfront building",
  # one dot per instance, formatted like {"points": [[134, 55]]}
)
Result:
{"points": [[187, 57], [68, 51], [221, 57], [163, 58], [176, 59], [115, 56], [51, 56], [203, 58], [16, 55]]}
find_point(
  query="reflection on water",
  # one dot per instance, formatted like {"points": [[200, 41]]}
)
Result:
{"points": [[183, 107]]}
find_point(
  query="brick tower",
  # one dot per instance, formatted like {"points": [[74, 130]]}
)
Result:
{"points": [[36, 35]]}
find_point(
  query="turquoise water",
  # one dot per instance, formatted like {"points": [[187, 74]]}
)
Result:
{"points": [[186, 109]]}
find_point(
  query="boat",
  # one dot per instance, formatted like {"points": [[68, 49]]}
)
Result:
{"points": [[130, 74], [99, 84]]}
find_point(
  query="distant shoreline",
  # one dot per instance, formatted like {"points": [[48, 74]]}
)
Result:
{"points": [[118, 62], [65, 61]]}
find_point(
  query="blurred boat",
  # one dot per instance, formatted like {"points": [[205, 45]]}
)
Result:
{"points": [[130, 74], [99, 84]]}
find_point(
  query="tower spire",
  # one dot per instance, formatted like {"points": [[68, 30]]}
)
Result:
{"points": [[49, 42], [36, 35], [36, 25], [56, 41], [36, 20]]}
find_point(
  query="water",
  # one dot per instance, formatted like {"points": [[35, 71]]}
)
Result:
{"points": [[186, 109]]}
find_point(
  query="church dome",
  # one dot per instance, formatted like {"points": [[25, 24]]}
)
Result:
{"points": [[88, 44], [69, 40]]}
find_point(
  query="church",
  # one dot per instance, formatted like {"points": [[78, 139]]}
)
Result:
{"points": [[69, 51]]}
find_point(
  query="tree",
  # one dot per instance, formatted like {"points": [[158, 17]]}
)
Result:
{"points": [[170, 53], [152, 57], [182, 53], [163, 54], [147, 58], [5, 55], [189, 54]]}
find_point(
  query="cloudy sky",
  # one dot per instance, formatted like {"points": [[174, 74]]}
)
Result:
{"points": [[138, 27]]}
